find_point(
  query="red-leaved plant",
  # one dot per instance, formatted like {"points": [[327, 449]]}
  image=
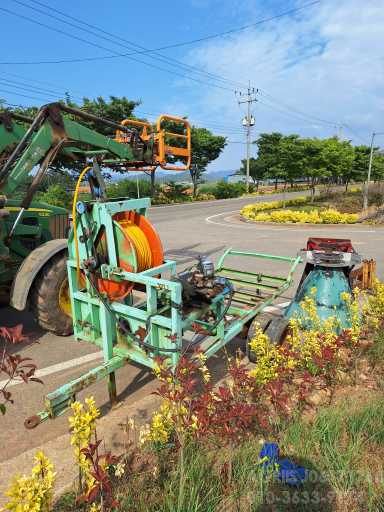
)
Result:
{"points": [[101, 490], [13, 366]]}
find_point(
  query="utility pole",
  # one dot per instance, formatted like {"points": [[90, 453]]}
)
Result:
{"points": [[366, 186], [248, 123]]}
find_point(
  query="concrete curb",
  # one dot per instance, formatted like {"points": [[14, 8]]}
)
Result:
{"points": [[305, 224], [60, 452]]}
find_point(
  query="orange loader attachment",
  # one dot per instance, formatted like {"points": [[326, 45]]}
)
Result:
{"points": [[161, 137]]}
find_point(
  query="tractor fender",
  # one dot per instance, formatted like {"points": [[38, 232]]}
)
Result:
{"points": [[30, 268]]}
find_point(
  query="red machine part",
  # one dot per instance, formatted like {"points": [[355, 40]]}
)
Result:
{"points": [[330, 245]]}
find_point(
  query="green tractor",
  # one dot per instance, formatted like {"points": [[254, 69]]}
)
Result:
{"points": [[32, 255], [33, 244]]}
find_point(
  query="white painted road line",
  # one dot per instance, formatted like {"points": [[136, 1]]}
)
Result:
{"points": [[55, 368], [210, 221], [78, 361]]}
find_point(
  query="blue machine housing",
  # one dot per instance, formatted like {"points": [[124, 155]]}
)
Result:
{"points": [[325, 278], [329, 283]]}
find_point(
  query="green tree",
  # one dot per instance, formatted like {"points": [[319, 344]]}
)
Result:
{"points": [[115, 109], [257, 170], [361, 162], [206, 147], [56, 195], [280, 157], [291, 153], [315, 168], [129, 188], [338, 159], [268, 154]]}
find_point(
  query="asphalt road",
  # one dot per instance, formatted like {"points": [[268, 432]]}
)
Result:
{"points": [[186, 231]]}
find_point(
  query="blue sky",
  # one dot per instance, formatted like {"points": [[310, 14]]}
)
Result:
{"points": [[316, 69]]}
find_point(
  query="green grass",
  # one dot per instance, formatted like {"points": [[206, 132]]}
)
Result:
{"points": [[342, 448], [344, 443], [376, 352]]}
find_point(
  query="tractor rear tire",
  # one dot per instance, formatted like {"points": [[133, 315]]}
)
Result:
{"points": [[50, 297]]}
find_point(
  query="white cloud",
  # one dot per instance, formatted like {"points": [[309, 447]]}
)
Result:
{"points": [[326, 61]]}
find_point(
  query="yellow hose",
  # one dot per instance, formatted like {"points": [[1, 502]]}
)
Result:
{"points": [[141, 245], [136, 235], [79, 180]]}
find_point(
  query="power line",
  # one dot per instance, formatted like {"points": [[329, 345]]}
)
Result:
{"points": [[210, 122], [241, 29], [356, 134], [13, 75], [98, 34], [175, 45], [290, 115], [31, 88], [47, 93], [296, 111], [44, 95], [142, 49], [116, 54], [22, 95], [145, 50]]}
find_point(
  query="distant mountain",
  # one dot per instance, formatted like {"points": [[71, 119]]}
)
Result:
{"points": [[163, 176]]}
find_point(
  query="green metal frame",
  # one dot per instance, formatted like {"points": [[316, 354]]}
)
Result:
{"points": [[44, 139], [13, 128], [159, 315]]}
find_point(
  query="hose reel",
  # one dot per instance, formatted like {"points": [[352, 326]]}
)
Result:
{"points": [[138, 248]]}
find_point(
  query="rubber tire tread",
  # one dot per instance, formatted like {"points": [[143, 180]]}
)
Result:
{"points": [[277, 329], [45, 297]]}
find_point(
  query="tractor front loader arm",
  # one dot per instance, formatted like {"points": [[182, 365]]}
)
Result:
{"points": [[11, 132], [49, 129], [51, 133]]}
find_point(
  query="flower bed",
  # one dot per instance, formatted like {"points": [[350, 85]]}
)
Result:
{"points": [[205, 433], [257, 212], [250, 210], [329, 216]]}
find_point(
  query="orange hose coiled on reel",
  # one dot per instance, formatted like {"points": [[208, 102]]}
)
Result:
{"points": [[139, 249], [140, 243]]}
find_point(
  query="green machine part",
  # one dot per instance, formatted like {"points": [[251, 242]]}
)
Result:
{"points": [[27, 143], [155, 323], [51, 132], [40, 223], [11, 132]]}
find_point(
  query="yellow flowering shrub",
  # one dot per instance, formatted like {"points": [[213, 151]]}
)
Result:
{"points": [[269, 357], [308, 333], [250, 210], [161, 426], [202, 358], [33, 493], [314, 216], [354, 309], [83, 427], [374, 307]]}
